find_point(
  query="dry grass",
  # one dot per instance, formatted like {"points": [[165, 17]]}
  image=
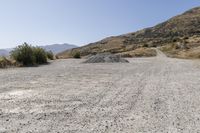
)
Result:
{"points": [[5, 63], [140, 52], [193, 53], [185, 48]]}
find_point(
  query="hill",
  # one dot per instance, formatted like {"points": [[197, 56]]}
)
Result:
{"points": [[172, 35]]}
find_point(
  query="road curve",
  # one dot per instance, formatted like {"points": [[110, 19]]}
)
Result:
{"points": [[147, 95]]}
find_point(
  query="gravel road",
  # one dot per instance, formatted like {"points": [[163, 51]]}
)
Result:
{"points": [[147, 95]]}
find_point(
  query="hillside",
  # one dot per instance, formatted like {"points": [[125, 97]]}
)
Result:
{"points": [[173, 33]]}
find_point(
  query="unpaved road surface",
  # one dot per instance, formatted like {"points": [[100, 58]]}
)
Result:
{"points": [[147, 95]]}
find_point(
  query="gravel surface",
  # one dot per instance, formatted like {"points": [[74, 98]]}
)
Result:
{"points": [[147, 95], [106, 58]]}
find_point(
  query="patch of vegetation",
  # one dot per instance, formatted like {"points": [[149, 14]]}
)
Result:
{"points": [[24, 54], [186, 38], [77, 55], [145, 45], [176, 39], [50, 55], [28, 55], [4, 62], [39, 55], [57, 57], [140, 52]]}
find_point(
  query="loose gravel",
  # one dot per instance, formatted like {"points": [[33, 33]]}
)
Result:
{"points": [[147, 95]]}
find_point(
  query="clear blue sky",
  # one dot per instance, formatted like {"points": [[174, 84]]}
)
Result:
{"points": [[42, 22]]}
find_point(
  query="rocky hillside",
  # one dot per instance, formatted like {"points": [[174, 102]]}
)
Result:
{"points": [[175, 31]]}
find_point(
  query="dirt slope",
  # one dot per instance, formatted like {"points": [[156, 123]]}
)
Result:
{"points": [[150, 95]]}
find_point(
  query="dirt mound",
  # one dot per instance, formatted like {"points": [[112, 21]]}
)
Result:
{"points": [[106, 58]]}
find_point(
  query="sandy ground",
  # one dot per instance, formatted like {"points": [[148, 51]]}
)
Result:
{"points": [[147, 95]]}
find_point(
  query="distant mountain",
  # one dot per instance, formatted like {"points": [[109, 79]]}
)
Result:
{"points": [[55, 48], [4, 52], [181, 34]]}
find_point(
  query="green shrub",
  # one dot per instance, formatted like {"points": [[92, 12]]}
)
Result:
{"points": [[40, 55], [24, 54], [145, 45], [50, 55], [77, 55], [28, 55]]}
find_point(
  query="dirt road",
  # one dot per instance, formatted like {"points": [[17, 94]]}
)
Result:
{"points": [[147, 95]]}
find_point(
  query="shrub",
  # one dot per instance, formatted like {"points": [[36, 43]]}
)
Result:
{"points": [[77, 55], [154, 45], [50, 55], [24, 54], [57, 57], [40, 55], [145, 45], [185, 38], [28, 55], [4, 62], [176, 39]]}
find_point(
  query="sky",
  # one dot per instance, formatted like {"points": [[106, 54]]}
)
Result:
{"points": [[79, 22]]}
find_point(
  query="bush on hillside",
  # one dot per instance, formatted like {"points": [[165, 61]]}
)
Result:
{"points": [[145, 45], [77, 55], [186, 38], [50, 55]]}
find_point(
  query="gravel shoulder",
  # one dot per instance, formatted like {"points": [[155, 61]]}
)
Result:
{"points": [[152, 95]]}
